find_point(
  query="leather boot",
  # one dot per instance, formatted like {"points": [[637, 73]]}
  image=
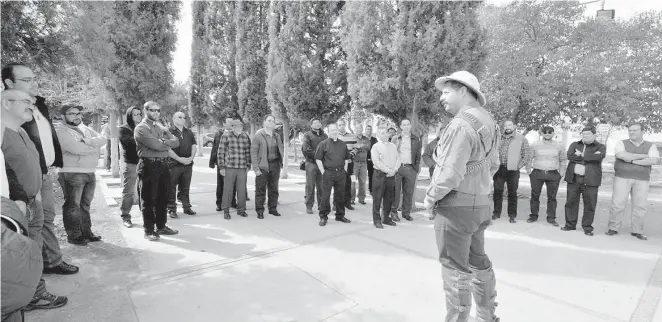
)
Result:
{"points": [[484, 291], [457, 286]]}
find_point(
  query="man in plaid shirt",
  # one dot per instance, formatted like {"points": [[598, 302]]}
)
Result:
{"points": [[234, 161]]}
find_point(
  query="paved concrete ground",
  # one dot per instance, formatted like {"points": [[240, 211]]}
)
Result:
{"points": [[290, 269]]}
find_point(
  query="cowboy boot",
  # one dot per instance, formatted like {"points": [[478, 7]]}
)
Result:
{"points": [[484, 292], [457, 286]]}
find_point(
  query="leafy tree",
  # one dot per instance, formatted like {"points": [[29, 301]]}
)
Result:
{"points": [[198, 82], [396, 50]]}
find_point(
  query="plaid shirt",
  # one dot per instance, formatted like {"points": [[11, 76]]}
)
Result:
{"points": [[234, 151]]}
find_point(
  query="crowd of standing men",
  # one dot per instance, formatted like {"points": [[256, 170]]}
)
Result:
{"points": [[470, 154]]}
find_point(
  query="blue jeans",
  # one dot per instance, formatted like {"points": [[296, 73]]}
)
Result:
{"points": [[129, 189], [51, 247], [78, 191]]}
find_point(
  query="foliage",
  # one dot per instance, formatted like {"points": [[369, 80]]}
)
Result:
{"points": [[396, 50]]}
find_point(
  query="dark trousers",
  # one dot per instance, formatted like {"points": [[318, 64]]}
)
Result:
{"points": [[405, 185], [348, 185], [220, 180], [78, 189], [313, 182], [333, 179], [551, 179], [384, 192], [153, 189], [589, 196], [511, 179], [267, 183], [234, 185], [180, 185], [371, 170]]}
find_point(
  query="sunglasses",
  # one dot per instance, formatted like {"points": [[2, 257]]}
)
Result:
{"points": [[154, 110], [548, 132]]}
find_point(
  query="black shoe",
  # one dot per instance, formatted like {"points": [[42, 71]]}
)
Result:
{"points": [[152, 236], [611, 232], [553, 222], [323, 222], [190, 212], [46, 301], [352, 202], [512, 220], [248, 199], [234, 206], [227, 216], [127, 223], [566, 228], [309, 210], [389, 222], [639, 236], [394, 216], [274, 213], [166, 231], [349, 207], [495, 217], [532, 219], [408, 217], [61, 269], [362, 202], [588, 233], [218, 208], [92, 238], [242, 213], [343, 219], [173, 214], [80, 241], [260, 215], [379, 225]]}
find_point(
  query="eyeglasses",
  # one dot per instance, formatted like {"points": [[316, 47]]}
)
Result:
{"points": [[26, 79], [24, 101], [548, 132], [154, 110]]}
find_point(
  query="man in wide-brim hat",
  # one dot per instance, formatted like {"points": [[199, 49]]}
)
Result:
{"points": [[465, 159]]}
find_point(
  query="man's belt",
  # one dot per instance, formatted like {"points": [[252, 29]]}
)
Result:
{"points": [[334, 169], [160, 159], [546, 171]]}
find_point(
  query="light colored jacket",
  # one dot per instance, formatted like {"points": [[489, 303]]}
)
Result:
{"points": [[259, 150], [80, 147]]}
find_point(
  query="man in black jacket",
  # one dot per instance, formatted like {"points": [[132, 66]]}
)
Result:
{"points": [[42, 133], [584, 176], [309, 145], [130, 167]]}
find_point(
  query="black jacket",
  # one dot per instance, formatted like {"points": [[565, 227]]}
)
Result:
{"points": [[214, 149], [128, 144], [310, 142], [33, 132], [592, 161]]}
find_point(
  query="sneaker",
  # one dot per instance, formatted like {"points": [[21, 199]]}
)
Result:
{"points": [[531, 220], [46, 301], [127, 223], [588, 233], [166, 231], [611, 232], [190, 212], [274, 213], [242, 213], [152, 236], [362, 202], [379, 225], [173, 214], [227, 216], [260, 215], [61, 269], [639, 236], [553, 222], [512, 220]]}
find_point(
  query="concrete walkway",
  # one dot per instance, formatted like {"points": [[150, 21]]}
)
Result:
{"points": [[290, 269]]}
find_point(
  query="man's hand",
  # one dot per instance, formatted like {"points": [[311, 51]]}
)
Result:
{"points": [[428, 203], [257, 172], [21, 205], [578, 153], [322, 171], [222, 172], [185, 161], [528, 170]]}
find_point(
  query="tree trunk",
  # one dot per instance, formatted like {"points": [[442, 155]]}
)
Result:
{"points": [[114, 144], [286, 147], [200, 141]]}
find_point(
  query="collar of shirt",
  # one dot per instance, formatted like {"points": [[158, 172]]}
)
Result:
{"points": [[638, 144], [148, 121]]}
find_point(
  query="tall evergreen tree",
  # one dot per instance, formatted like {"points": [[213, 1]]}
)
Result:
{"points": [[396, 50]]}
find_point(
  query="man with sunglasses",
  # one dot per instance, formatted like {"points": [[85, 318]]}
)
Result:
{"points": [[154, 144], [549, 161], [181, 169]]}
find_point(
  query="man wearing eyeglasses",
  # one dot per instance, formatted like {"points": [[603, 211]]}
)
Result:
{"points": [[548, 162], [80, 152], [154, 143], [181, 169], [21, 156]]}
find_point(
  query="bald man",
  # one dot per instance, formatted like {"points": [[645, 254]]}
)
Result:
{"points": [[181, 169]]}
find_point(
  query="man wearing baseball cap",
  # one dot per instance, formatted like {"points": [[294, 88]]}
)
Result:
{"points": [[466, 158]]}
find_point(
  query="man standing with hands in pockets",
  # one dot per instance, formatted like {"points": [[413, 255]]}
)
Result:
{"points": [[333, 158], [386, 162]]}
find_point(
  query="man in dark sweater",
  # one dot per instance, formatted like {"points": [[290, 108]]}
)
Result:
{"points": [[371, 168], [332, 158], [130, 165], [309, 145], [42, 133], [584, 176]]}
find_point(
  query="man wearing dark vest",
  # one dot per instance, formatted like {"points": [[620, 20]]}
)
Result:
{"points": [[584, 176], [309, 145], [514, 154], [632, 173]]}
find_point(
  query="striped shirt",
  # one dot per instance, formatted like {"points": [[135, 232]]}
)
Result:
{"points": [[234, 151], [549, 155]]}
